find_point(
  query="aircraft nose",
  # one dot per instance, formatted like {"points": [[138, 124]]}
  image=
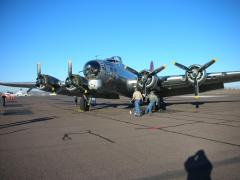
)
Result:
{"points": [[92, 68]]}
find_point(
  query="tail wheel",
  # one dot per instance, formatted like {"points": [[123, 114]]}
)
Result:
{"points": [[83, 104]]}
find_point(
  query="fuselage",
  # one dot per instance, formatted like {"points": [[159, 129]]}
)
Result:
{"points": [[109, 76]]}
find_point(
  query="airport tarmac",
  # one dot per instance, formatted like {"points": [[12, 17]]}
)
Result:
{"points": [[46, 137]]}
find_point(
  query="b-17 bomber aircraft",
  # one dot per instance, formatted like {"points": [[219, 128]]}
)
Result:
{"points": [[110, 78]]}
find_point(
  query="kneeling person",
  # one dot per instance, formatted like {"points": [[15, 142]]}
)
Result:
{"points": [[152, 100]]}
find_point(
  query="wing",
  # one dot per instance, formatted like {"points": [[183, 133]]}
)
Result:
{"points": [[59, 89], [179, 85], [224, 77], [19, 84]]}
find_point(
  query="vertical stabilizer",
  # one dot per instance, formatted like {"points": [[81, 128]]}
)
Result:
{"points": [[151, 66]]}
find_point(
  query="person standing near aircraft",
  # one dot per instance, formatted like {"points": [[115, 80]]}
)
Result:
{"points": [[76, 100], [3, 99], [93, 101], [153, 99], [137, 98]]}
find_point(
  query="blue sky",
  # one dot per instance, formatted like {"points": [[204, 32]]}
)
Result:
{"points": [[51, 32]]}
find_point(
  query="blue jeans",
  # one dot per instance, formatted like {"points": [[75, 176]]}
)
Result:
{"points": [[137, 107], [149, 108]]}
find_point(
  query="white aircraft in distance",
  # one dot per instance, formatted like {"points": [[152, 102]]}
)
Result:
{"points": [[110, 78], [21, 93]]}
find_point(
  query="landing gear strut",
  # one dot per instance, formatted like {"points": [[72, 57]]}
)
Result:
{"points": [[84, 103]]}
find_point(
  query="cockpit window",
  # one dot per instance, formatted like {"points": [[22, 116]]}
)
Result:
{"points": [[115, 60], [92, 68]]}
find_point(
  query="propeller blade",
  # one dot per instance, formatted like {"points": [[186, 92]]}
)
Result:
{"points": [[69, 68], [157, 71], [132, 70], [205, 66], [145, 89], [181, 66], [196, 88], [29, 89], [38, 70]]}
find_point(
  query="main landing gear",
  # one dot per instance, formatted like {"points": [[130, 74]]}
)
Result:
{"points": [[84, 103]]}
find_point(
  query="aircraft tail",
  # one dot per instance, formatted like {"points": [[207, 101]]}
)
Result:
{"points": [[151, 66]]}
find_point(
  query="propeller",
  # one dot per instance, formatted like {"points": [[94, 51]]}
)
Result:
{"points": [[38, 70], [194, 73], [144, 75], [148, 75], [155, 71], [69, 68], [40, 79], [45, 82], [74, 81], [29, 89], [69, 81], [205, 66], [132, 70], [181, 66]]}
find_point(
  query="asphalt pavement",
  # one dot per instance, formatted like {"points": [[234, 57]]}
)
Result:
{"points": [[47, 137]]}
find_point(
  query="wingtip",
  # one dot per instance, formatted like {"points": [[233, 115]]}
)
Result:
{"points": [[174, 62]]}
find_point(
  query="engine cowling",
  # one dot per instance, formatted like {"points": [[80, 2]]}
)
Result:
{"points": [[193, 72], [150, 82], [47, 83], [74, 82], [196, 74]]}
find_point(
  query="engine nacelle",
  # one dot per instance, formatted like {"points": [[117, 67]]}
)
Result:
{"points": [[150, 81], [74, 82], [47, 83], [190, 75]]}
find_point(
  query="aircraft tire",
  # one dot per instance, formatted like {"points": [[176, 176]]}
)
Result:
{"points": [[83, 104]]}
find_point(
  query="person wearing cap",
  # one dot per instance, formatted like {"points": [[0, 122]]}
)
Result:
{"points": [[137, 98], [153, 99]]}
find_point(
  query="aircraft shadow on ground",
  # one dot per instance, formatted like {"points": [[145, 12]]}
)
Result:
{"points": [[65, 102], [198, 102], [129, 105], [110, 105], [9, 112], [14, 105], [35, 120]]}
